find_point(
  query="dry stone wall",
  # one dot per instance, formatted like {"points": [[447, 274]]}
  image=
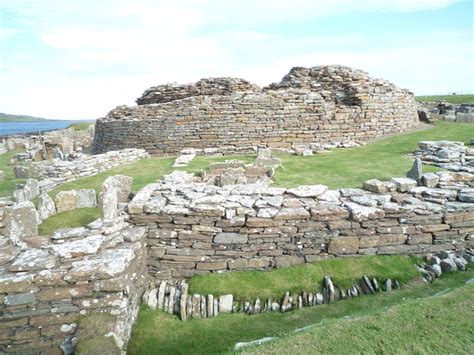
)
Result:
{"points": [[58, 171], [311, 105], [46, 285], [197, 228]]}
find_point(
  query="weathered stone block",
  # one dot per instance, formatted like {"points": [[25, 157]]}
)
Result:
{"points": [[343, 245]]}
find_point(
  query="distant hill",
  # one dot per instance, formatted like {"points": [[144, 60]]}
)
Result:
{"points": [[5, 117]]}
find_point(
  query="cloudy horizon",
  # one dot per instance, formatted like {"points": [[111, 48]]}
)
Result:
{"points": [[80, 59]]}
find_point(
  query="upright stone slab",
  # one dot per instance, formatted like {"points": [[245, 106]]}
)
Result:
{"points": [[66, 200], [122, 185], [46, 206], [416, 170], [22, 222], [86, 198], [110, 204]]}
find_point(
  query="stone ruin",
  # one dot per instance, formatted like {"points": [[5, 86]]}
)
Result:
{"points": [[442, 110], [58, 144], [184, 225], [319, 105]]}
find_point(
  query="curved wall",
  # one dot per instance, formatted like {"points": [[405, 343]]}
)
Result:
{"points": [[315, 105]]}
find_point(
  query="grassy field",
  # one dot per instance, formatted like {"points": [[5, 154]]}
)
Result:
{"points": [[143, 172], [81, 126], [70, 219], [383, 159], [454, 99], [306, 277], [158, 332], [433, 325], [7, 184]]}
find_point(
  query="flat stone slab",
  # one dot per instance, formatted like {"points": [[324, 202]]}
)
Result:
{"points": [[68, 233], [108, 264], [78, 248], [308, 190], [33, 260], [363, 213]]}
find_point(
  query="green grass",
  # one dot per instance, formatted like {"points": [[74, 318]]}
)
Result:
{"points": [[7, 184], [91, 335], [81, 126], [306, 277], [69, 219], [158, 332], [453, 99], [433, 325], [382, 159], [143, 172]]}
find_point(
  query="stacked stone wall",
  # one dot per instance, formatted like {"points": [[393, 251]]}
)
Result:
{"points": [[281, 115], [45, 289], [58, 171], [195, 228]]}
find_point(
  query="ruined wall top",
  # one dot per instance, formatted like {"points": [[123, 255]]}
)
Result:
{"points": [[211, 86], [341, 84], [336, 83]]}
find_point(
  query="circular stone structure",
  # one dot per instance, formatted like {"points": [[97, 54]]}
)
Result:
{"points": [[318, 105]]}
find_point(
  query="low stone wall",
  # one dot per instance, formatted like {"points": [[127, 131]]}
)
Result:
{"points": [[442, 110], [316, 105], [175, 298], [196, 228], [58, 171], [48, 284]]}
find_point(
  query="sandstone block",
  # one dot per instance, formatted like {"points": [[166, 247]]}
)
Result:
{"points": [[343, 245]]}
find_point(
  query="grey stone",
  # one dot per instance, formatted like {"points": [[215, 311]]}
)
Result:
{"points": [[134, 234], [430, 180], [466, 195], [22, 222], [31, 189], [308, 190], [66, 200], [435, 269], [80, 247], [225, 303], [86, 198], [121, 184], [109, 203], [362, 213], [416, 170], [404, 184], [33, 260], [461, 263], [21, 172], [230, 238], [448, 265], [15, 299], [68, 233], [155, 205], [329, 287], [378, 186], [46, 206]]}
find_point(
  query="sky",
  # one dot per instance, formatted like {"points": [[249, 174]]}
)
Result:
{"points": [[79, 59]]}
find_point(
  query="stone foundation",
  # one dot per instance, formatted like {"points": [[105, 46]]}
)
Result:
{"points": [[48, 284], [196, 228], [58, 171], [309, 106]]}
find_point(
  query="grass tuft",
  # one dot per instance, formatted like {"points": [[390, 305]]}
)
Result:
{"points": [[453, 99], [157, 331], [69, 219], [306, 277]]}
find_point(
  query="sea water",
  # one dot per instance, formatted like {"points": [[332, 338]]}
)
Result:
{"points": [[9, 128]]}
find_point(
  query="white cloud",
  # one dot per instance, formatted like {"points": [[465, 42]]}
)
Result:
{"points": [[107, 52]]}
